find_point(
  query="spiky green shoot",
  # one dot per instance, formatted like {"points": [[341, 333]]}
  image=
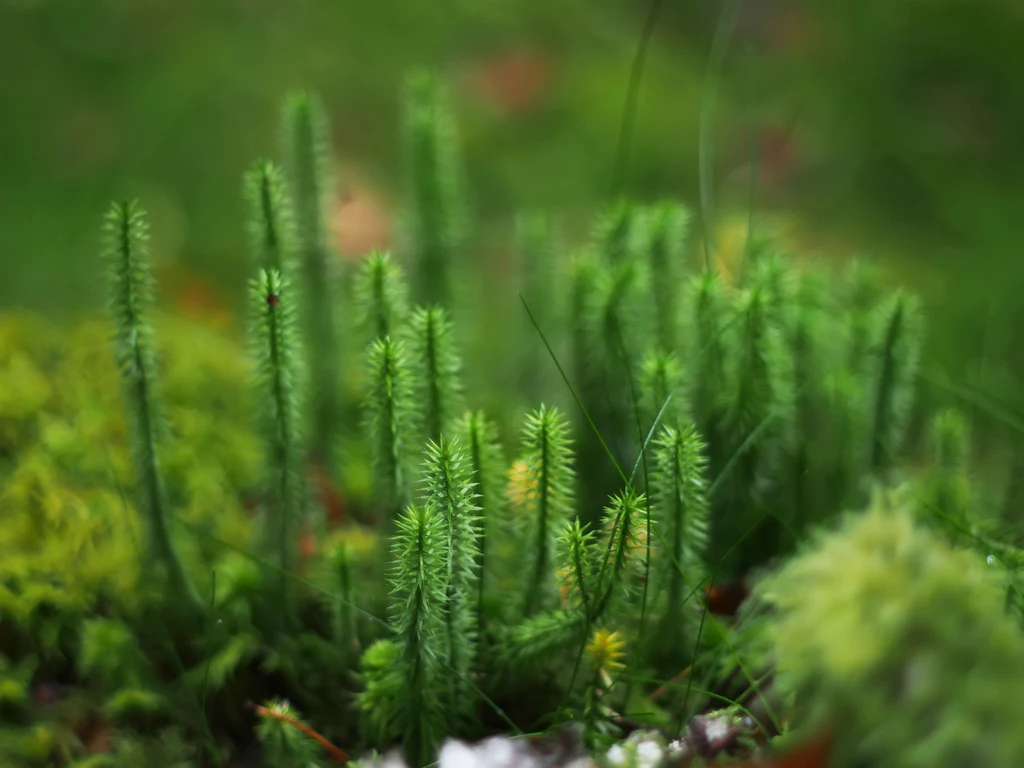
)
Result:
{"points": [[617, 333], [617, 231], [269, 218], [680, 512], [706, 359], [662, 391], [584, 274], [948, 486], [484, 455], [897, 349], [545, 507], [540, 639], [626, 524], [130, 291], [668, 232], [381, 295], [809, 434], [860, 291], [275, 351], [588, 383], [436, 369], [578, 566], [449, 490], [436, 207], [760, 399], [382, 689], [389, 424], [343, 615], [310, 176], [757, 387], [418, 620]]}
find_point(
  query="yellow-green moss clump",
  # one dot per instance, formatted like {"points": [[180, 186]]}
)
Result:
{"points": [[900, 645], [71, 535]]}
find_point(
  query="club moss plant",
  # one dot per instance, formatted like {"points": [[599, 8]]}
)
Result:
{"points": [[210, 518]]}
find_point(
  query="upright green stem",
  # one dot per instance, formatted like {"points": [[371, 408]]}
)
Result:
{"points": [[274, 349], [130, 291], [309, 166]]}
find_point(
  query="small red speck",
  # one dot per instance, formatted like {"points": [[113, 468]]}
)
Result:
{"points": [[273, 300]]}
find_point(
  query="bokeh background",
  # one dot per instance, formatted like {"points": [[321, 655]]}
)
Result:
{"points": [[887, 127]]}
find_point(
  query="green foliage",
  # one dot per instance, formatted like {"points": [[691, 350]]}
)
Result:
{"points": [[435, 367], [381, 689], [947, 493], [538, 279], [759, 403], [131, 750], [436, 209], [883, 617], [269, 218], [541, 639], [284, 745], [616, 330], [617, 233], [541, 501], [625, 519], [15, 681], [276, 352], [486, 462], [662, 387], [668, 236], [71, 539], [896, 352], [131, 298], [389, 422], [586, 381], [381, 295], [755, 402], [418, 619], [310, 176], [680, 514], [449, 491], [706, 349]]}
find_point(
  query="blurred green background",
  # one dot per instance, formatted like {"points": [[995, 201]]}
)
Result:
{"points": [[892, 128]]}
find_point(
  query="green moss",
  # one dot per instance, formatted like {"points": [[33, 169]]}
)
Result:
{"points": [[70, 536], [900, 644]]}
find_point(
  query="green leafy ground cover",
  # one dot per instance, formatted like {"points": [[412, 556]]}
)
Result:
{"points": [[356, 524]]}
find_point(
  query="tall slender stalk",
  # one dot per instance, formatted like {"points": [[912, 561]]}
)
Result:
{"points": [[547, 457], [389, 426], [130, 286], [307, 149], [381, 295], [897, 351], [484, 455], [449, 490], [418, 620], [276, 353], [436, 371], [436, 206], [270, 222]]}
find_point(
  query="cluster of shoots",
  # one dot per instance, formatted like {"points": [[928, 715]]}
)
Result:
{"points": [[714, 422]]}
